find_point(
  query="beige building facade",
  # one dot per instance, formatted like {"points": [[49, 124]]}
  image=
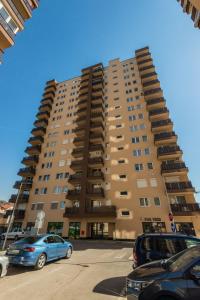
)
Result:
{"points": [[13, 14], [103, 159], [192, 7]]}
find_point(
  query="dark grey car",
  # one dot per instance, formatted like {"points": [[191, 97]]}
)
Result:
{"points": [[177, 278]]}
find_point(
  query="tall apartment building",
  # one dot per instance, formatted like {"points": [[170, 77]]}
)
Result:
{"points": [[103, 159], [192, 7], [13, 14]]}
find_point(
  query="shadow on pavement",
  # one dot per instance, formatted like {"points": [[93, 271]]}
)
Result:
{"points": [[16, 270], [80, 245], [115, 286]]}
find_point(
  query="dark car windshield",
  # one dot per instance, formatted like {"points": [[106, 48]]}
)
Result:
{"points": [[30, 240], [179, 261]]}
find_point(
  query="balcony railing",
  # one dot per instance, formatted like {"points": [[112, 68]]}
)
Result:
{"points": [[177, 187], [167, 150], [141, 62], [96, 192], [45, 107], [146, 68], [102, 210], [152, 82], [96, 175], [26, 185], [143, 55], [97, 147], [73, 193], [15, 11], [19, 214], [164, 135], [33, 150], [36, 140], [43, 114], [170, 167], [148, 75], [38, 131], [161, 123], [185, 208], [41, 123], [30, 160], [96, 161], [155, 101], [27, 172], [158, 111], [7, 28], [23, 198], [152, 91]]}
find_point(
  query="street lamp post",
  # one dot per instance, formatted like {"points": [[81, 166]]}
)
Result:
{"points": [[12, 215]]}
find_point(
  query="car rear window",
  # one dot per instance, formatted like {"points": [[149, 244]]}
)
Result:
{"points": [[30, 239]]}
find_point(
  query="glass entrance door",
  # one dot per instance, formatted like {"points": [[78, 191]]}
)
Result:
{"points": [[99, 230], [74, 230]]}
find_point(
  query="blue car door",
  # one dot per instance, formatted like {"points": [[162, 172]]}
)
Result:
{"points": [[61, 246], [51, 247]]}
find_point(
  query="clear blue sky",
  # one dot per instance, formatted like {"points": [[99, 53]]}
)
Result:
{"points": [[66, 35]]}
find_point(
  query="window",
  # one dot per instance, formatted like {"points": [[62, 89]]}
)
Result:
{"points": [[43, 191], [63, 152], [140, 116], [33, 206], [153, 182], [122, 176], [61, 163], [57, 190], [46, 177], [125, 213], [54, 205], [137, 152], [132, 118], [146, 151], [144, 202], [150, 166], [135, 140], [40, 206], [133, 128], [36, 191], [142, 183], [48, 165], [142, 126], [40, 178], [121, 161], [157, 201], [138, 167], [62, 205], [123, 193], [144, 138], [59, 175]]}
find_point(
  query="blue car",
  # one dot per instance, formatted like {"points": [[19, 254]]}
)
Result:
{"points": [[37, 250]]}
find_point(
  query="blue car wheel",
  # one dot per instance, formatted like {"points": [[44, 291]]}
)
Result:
{"points": [[69, 253], [41, 261]]}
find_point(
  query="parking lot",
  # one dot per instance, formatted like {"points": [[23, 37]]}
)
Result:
{"points": [[96, 270]]}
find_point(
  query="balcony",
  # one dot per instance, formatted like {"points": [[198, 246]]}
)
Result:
{"points": [[36, 140], [153, 83], [75, 178], [78, 152], [162, 125], [76, 165], [96, 162], [95, 177], [81, 120], [43, 115], [23, 198], [26, 172], [96, 138], [152, 75], [157, 92], [97, 92], [19, 16], [155, 103], [146, 69], [82, 111], [97, 100], [98, 116], [186, 209], [165, 138], [47, 101], [79, 131], [97, 108], [173, 168], [94, 148], [96, 126], [159, 113], [26, 185], [19, 214], [10, 34], [30, 161], [49, 94], [73, 194], [45, 107], [33, 150], [97, 193], [50, 87], [169, 152], [98, 211], [180, 187], [79, 141], [142, 50], [41, 123], [144, 62], [39, 131], [141, 56]]}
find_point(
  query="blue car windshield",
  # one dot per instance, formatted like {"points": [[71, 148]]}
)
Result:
{"points": [[30, 240]]}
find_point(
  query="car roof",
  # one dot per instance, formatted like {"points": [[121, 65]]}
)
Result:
{"points": [[172, 234]]}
